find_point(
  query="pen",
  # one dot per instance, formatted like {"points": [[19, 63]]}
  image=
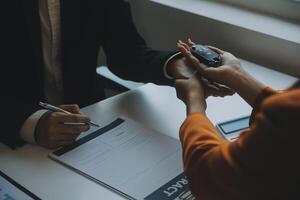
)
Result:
{"points": [[57, 109]]}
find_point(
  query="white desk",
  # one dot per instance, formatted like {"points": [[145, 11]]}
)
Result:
{"points": [[154, 106]]}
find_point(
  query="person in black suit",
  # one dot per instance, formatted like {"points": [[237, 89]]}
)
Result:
{"points": [[49, 53]]}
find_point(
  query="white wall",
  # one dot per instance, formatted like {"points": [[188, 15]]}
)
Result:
{"points": [[162, 26]]}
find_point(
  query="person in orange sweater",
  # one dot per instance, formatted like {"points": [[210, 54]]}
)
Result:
{"points": [[264, 162]]}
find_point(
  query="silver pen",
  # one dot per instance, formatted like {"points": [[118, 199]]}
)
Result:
{"points": [[57, 109]]}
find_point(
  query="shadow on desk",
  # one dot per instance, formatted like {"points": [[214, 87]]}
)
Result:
{"points": [[114, 84]]}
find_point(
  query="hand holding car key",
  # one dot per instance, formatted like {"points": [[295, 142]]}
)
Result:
{"points": [[209, 57], [206, 56]]}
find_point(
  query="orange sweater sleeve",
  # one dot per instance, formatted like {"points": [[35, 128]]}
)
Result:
{"points": [[218, 169], [267, 92], [208, 165]]}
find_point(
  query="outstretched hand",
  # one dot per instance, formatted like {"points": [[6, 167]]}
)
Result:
{"points": [[183, 68], [229, 75], [212, 77]]}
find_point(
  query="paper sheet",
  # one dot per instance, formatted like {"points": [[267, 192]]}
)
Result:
{"points": [[130, 159], [10, 190]]}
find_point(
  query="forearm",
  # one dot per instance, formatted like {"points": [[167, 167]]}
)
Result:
{"points": [[133, 60], [197, 132], [245, 85], [215, 168], [18, 112], [195, 102], [139, 63], [196, 107], [204, 160], [27, 131]]}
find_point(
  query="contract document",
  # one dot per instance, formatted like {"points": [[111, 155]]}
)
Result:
{"points": [[134, 161], [11, 190]]}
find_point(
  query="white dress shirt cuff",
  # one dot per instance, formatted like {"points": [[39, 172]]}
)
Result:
{"points": [[166, 65], [28, 128]]}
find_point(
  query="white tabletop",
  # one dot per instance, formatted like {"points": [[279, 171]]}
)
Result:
{"points": [[154, 106]]}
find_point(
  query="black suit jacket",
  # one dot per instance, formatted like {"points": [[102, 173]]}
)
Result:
{"points": [[86, 25]]}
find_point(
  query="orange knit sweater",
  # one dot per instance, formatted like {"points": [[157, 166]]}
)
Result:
{"points": [[262, 164]]}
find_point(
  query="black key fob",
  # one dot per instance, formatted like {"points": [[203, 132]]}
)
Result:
{"points": [[206, 56]]}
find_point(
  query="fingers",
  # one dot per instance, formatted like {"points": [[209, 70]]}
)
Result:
{"points": [[191, 43], [210, 73], [62, 143], [187, 54], [218, 90], [217, 93], [64, 135], [67, 137], [73, 118], [187, 47], [223, 87], [216, 49], [73, 129], [72, 108], [191, 59], [51, 132], [183, 49]]}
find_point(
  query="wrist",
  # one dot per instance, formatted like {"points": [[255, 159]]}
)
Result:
{"points": [[199, 108], [195, 103], [247, 87], [239, 81], [173, 65], [29, 126], [170, 64], [40, 127], [235, 76], [178, 68]]}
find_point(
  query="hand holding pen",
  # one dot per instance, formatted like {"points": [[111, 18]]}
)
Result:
{"points": [[61, 126], [58, 109]]}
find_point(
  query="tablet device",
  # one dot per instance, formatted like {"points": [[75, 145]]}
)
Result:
{"points": [[11, 190], [231, 130]]}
